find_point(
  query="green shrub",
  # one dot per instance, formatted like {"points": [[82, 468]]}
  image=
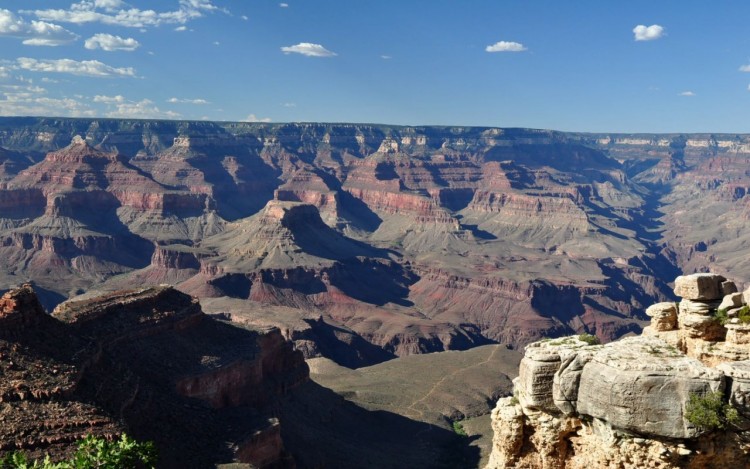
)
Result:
{"points": [[721, 316], [458, 428], [743, 315], [93, 453], [710, 412], [589, 339]]}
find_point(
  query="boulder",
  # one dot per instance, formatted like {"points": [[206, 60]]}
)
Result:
{"points": [[702, 286], [663, 316], [698, 307], [731, 301], [641, 384], [728, 287], [746, 296]]}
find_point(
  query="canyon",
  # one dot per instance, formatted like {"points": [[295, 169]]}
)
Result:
{"points": [[366, 242]]}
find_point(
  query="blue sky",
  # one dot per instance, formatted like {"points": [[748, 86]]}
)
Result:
{"points": [[576, 65]]}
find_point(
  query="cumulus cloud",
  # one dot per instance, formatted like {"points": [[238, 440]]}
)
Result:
{"points": [[284, 5], [90, 68], [308, 49], [109, 99], [745, 68], [20, 100], [34, 33], [120, 107], [254, 118], [505, 46], [181, 28], [188, 101], [110, 43], [687, 93], [648, 33], [115, 12]]}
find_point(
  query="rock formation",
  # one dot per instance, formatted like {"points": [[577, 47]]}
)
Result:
{"points": [[413, 239], [146, 362], [629, 403]]}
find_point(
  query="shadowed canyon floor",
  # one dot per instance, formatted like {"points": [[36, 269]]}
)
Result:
{"points": [[365, 242]]}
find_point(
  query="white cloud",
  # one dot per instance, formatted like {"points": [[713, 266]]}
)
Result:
{"points": [[244, 17], [111, 43], [109, 99], [745, 68], [386, 57], [90, 68], [648, 33], [687, 93], [188, 101], [143, 109], [34, 33], [284, 5], [216, 43], [117, 13], [254, 118], [308, 49], [289, 104], [181, 28], [20, 100], [505, 46]]}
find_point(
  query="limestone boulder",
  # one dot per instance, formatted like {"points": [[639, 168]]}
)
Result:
{"points": [[731, 301], [728, 287], [663, 316], [746, 296], [701, 286], [642, 384]]}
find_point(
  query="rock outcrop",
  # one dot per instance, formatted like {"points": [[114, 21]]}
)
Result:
{"points": [[629, 403], [146, 362]]}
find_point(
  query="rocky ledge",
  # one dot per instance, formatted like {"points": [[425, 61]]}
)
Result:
{"points": [[147, 362], [632, 403]]}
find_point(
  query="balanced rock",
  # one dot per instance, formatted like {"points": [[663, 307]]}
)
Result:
{"points": [[702, 286], [663, 316], [642, 384], [730, 301]]}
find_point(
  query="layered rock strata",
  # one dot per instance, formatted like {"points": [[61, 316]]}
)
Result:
{"points": [[145, 362], [627, 403]]}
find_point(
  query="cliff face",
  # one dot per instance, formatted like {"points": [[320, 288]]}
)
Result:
{"points": [[146, 362], [630, 403], [413, 238]]}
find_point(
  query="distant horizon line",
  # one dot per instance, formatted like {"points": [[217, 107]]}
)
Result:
{"points": [[377, 124]]}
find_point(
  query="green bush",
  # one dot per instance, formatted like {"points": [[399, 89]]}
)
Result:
{"points": [[710, 412], [589, 339], [93, 453], [458, 428], [743, 315]]}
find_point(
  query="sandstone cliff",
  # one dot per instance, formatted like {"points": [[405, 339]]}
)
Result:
{"points": [[632, 403], [145, 362]]}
